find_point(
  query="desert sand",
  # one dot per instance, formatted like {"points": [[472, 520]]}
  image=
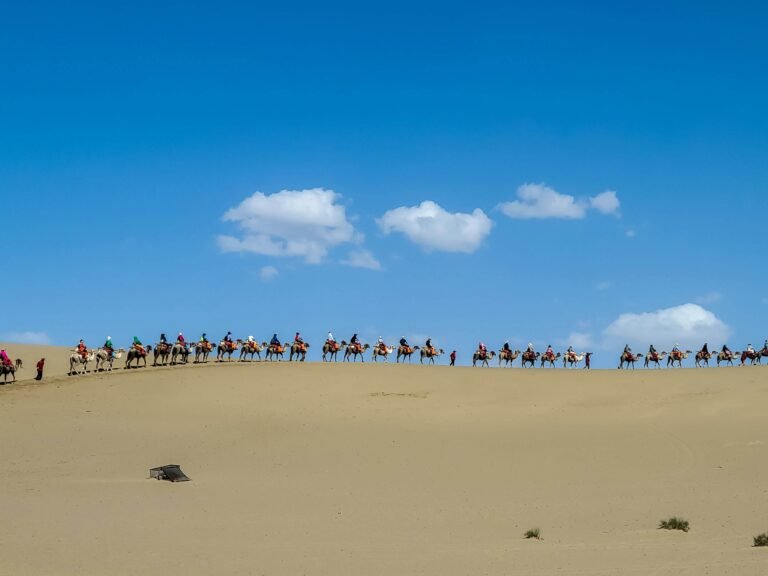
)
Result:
{"points": [[382, 469]]}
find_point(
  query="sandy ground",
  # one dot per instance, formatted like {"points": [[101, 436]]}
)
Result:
{"points": [[342, 469]]}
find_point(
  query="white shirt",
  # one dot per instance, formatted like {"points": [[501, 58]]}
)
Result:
{"points": [[330, 337]]}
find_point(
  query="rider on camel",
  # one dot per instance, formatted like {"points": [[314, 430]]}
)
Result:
{"points": [[6, 361], [727, 351], [354, 342], [428, 345], [380, 344], [750, 350], [180, 339], [676, 351], [228, 341], [652, 353], [404, 342], [275, 342], [137, 345], [628, 351], [506, 347], [82, 349], [549, 353], [570, 353], [297, 339], [109, 347], [530, 349], [482, 349], [250, 342], [163, 340], [705, 350]]}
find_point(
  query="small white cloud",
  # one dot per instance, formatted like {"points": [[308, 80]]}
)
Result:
{"points": [[709, 298], [362, 259], [602, 286], [630, 233], [606, 202], [299, 223], [433, 228], [26, 338], [541, 201], [687, 325], [268, 273], [580, 341]]}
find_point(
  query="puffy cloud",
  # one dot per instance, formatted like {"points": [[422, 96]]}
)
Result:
{"points": [[580, 341], [300, 223], [362, 259], [689, 325], [26, 338], [606, 202], [433, 228], [541, 201], [268, 273]]}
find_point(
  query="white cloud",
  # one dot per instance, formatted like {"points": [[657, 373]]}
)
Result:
{"points": [[300, 223], [606, 202], [362, 259], [268, 273], [26, 338], [580, 341], [433, 228], [630, 233], [709, 298], [541, 201], [689, 325]]}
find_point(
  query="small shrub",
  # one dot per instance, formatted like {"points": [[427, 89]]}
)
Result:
{"points": [[535, 533], [674, 523], [761, 539]]}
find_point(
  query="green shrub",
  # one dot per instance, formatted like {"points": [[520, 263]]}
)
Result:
{"points": [[761, 539], [535, 533], [674, 523]]}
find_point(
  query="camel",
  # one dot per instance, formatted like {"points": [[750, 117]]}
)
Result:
{"points": [[405, 352], [508, 357], [354, 350], [227, 348], [103, 359], [430, 354], [202, 350], [331, 350], [483, 356], [275, 351], [655, 359], [6, 369], [134, 354], [763, 352], [703, 358], [162, 353], [19, 364], [377, 351], [179, 350], [251, 348], [76, 360], [530, 357], [629, 360], [573, 360], [753, 357], [298, 349], [678, 357], [550, 359], [728, 358]]}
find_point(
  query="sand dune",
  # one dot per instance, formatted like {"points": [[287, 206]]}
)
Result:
{"points": [[383, 469]]}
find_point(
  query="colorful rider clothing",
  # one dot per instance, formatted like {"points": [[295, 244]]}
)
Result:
{"points": [[275, 341], [203, 338], [82, 349], [298, 339], [180, 338], [481, 347], [228, 337], [330, 337], [4, 357], [108, 344], [136, 341]]}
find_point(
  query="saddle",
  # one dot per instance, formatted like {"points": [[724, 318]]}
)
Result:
{"points": [[482, 354], [276, 349], [140, 349], [333, 346], [229, 346], [251, 345], [406, 350], [677, 355]]}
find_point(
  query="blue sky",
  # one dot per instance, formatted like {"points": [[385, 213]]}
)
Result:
{"points": [[127, 133]]}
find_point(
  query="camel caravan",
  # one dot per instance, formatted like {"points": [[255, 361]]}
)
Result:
{"points": [[228, 349]]}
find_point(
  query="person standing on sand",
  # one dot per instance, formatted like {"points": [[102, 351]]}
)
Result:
{"points": [[453, 358], [40, 366]]}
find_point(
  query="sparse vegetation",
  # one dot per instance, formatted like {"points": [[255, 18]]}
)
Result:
{"points": [[674, 523], [534, 533], [761, 539]]}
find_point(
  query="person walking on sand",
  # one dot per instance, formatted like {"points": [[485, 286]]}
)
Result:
{"points": [[453, 358], [40, 366]]}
